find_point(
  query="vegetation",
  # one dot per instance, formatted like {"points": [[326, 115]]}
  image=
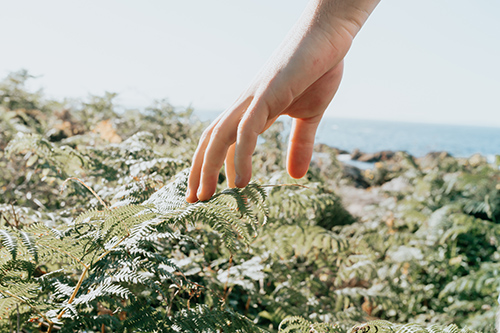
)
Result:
{"points": [[96, 236]]}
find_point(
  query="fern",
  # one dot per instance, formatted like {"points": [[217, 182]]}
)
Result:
{"points": [[63, 161], [135, 256], [125, 236], [10, 242], [202, 319], [388, 327], [301, 325]]}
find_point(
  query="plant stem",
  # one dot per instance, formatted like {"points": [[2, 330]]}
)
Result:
{"points": [[18, 319], [226, 290], [111, 248], [82, 277], [77, 288], [88, 187], [24, 301]]}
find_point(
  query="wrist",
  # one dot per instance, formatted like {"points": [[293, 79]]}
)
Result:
{"points": [[343, 16]]}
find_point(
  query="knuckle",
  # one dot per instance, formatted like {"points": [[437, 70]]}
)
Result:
{"points": [[217, 131], [223, 134], [206, 134], [245, 130]]}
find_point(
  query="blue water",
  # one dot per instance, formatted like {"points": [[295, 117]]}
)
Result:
{"points": [[417, 139], [372, 136]]}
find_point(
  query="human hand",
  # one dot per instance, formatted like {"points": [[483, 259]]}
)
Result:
{"points": [[299, 80]]}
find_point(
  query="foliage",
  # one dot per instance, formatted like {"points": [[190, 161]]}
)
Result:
{"points": [[96, 236]]}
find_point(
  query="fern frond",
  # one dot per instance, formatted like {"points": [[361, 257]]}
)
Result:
{"points": [[139, 166], [294, 323], [119, 221], [30, 245], [356, 266], [258, 197], [382, 326], [23, 142], [7, 305], [62, 289], [144, 317], [303, 241], [230, 212], [9, 241], [50, 245], [201, 319], [300, 325], [64, 160], [67, 251], [16, 270], [170, 197], [485, 281], [22, 290], [102, 290]]}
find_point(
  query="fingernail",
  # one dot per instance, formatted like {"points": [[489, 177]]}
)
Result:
{"points": [[199, 192], [188, 192]]}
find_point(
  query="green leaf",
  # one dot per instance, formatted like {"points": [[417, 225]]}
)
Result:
{"points": [[10, 242]]}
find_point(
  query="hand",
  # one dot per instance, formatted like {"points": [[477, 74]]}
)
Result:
{"points": [[299, 80]]}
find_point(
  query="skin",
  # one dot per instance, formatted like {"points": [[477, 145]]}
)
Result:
{"points": [[299, 80]]}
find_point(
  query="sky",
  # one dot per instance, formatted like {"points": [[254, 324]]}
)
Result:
{"points": [[415, 61]]}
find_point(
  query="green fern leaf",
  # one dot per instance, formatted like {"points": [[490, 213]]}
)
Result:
{"points": [[6, 304], [10, 242], [30, 245]]}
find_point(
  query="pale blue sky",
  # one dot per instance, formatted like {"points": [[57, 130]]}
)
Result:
{"points": [[432, 61]]}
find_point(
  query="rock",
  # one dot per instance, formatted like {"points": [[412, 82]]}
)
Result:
{"points": [[66, 127], [357, 201], [398, 184], [324, 148], [107, 132], [477, 160], [354, 175], [381, 156], [432, 159], [356, 154]]}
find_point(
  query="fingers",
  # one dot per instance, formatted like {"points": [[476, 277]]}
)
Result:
{"points": [[195, 172], [301, 146], [222, 137], [211, 152], [253, 123], [308, 110], [230, 171]]}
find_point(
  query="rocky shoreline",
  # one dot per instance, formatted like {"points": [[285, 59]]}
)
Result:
{"points": [[362, 188]]}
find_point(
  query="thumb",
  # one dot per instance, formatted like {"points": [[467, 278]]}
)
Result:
{"points": [[301, 145]]}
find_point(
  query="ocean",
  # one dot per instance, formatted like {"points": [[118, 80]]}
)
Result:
{"points": [[417, 139]]}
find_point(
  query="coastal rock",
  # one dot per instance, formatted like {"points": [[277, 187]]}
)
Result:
{"points": [[398, 184], [324, 148], [477, 160], [354, 175], [432, 159], [359, 202], [381, 156], [355, 154]]}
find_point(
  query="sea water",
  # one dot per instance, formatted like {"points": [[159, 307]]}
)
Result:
{"points": [[417, 139]]}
